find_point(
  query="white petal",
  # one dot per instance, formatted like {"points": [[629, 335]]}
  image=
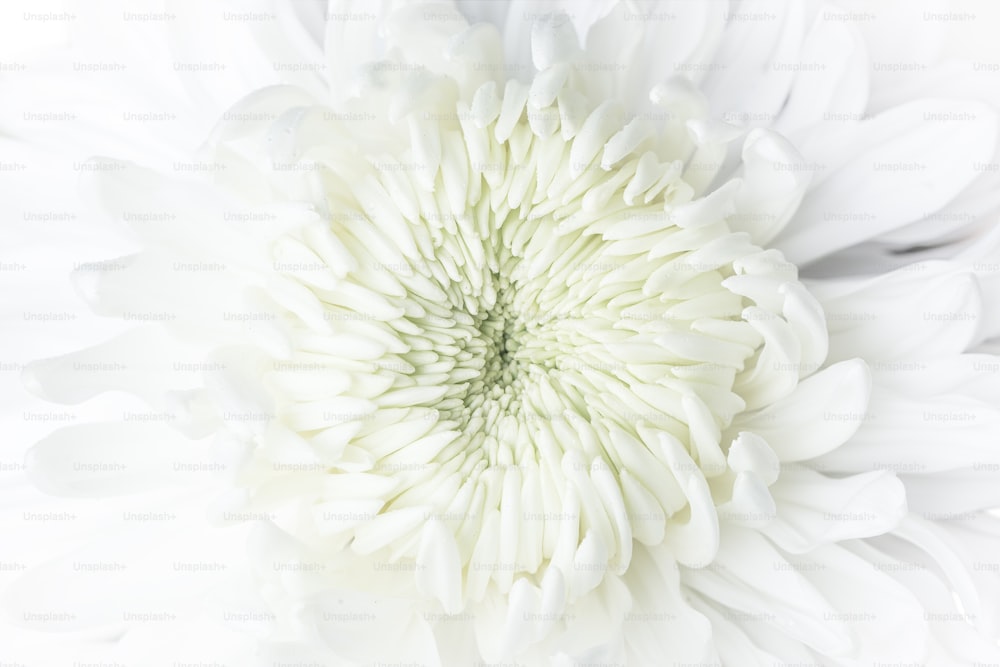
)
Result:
{"points": [[439, 566], [101, 460], [838, 88], [878, 609], [753, 578], [821, 414], [887, 172], [773, 184], [925, 310], [661, 621], [553, 41], [695, 542], [750, 77], [813, 509]]}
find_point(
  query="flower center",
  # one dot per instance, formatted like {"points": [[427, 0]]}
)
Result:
{"points": [[496, 391], [502, 331]]}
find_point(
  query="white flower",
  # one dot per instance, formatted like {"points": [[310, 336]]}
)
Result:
{"points": [[465, 345]]}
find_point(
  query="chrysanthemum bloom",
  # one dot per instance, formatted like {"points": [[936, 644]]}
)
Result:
{"points": [[642, 335]]}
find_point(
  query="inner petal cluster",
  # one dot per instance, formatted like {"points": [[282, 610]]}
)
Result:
{"points": [[538, 337]]}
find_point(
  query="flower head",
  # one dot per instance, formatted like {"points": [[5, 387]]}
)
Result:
{"points": [[501, 364]]}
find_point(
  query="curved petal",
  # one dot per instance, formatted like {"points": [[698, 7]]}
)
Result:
{"points": [[880, 174], [821, 413]]}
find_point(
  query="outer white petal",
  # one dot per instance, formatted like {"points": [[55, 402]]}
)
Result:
{"points": [[883, 173]]}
